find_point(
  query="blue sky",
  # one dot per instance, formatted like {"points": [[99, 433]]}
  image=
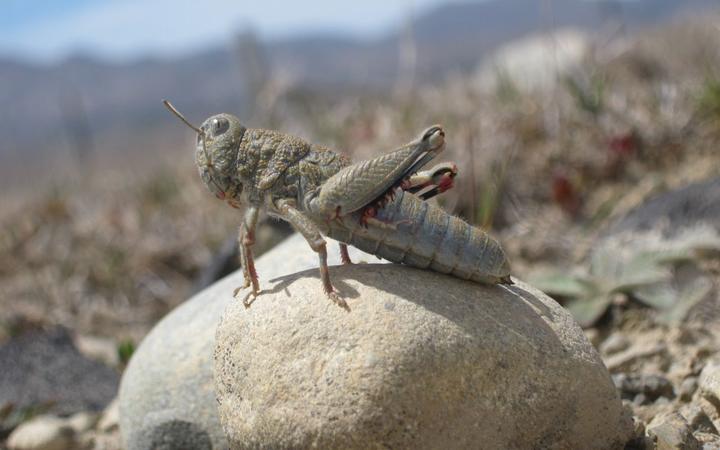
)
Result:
{"points": [[47, 30]]}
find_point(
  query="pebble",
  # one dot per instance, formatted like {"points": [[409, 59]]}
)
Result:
{"points": [[687, 388], [697, 419], [643, 388], [44, 432], [615, 343], [672, 432]]}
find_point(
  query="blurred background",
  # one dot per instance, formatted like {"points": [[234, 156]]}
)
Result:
{"points": [[563, 115]]}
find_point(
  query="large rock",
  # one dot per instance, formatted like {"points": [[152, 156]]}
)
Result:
{"points": [[166, 394], [421, 360], [43, 369], [535, 63], [684, 219], [675, 211]]}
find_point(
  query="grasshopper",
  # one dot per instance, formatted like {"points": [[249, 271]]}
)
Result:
{"points": [[378, 205]]}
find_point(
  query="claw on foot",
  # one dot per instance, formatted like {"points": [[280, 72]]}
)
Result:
{"points": [[344, 255], [247, 301], [332, 295]]}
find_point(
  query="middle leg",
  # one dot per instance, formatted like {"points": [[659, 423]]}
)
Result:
{"points": [[312, 235]]}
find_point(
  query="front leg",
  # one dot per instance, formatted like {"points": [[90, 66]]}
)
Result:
{"points": [[246, 239], [312, 235]]}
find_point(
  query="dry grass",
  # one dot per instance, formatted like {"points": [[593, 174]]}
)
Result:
{"points": [[111, 254]]}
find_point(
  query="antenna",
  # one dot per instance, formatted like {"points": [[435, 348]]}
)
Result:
{"points": [[173, 110], [201, 133]]}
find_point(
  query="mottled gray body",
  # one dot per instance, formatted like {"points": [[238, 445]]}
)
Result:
{"points": [[425, 237], [368, 204]]}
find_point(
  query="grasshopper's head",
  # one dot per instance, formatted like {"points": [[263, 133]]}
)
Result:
{"points": [[216, 153], [218, 142]]}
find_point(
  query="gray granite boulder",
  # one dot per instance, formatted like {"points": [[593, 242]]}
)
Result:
{"points": [[676, 221], [421, 360], [674, 211], [43, 369], [166, 395]]}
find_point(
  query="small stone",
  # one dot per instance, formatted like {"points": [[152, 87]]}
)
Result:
{"points": [[648, 411], [82, 421], [651, 387], [631, 355], [671, 432], [619, 299], [697, 419], [98, 348], [42, 433], [710, 383], [454, 361], [638, 427], [709, 409], [615, 343], [103, 441], [708, 441], [110, 417], [687, 388], [640, 399], [593, 335]]}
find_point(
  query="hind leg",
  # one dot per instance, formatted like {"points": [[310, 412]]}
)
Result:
{"points": [[431, 182], [365, 183]]}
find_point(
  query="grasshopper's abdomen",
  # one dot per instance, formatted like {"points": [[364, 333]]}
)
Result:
{"points": [[427, 237]]}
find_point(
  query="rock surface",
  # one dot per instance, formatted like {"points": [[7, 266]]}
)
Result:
{"points": [[421, 360], [167, 393], [44, 369]]}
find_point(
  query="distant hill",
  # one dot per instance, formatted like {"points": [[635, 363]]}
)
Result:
{"points": [[76, 103]]}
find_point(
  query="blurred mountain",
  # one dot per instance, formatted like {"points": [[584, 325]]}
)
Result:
{"points": [[78, 105]]}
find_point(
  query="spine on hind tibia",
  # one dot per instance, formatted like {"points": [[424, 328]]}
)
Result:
{"points": [[425, 236]]}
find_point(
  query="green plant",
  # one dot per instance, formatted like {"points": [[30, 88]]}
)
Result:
{"points": [[708, 100], [646, 276], [589, 94], [506, 90], [125, 350]]}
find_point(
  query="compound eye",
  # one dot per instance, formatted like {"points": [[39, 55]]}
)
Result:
{"points": [[219, 126]]}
